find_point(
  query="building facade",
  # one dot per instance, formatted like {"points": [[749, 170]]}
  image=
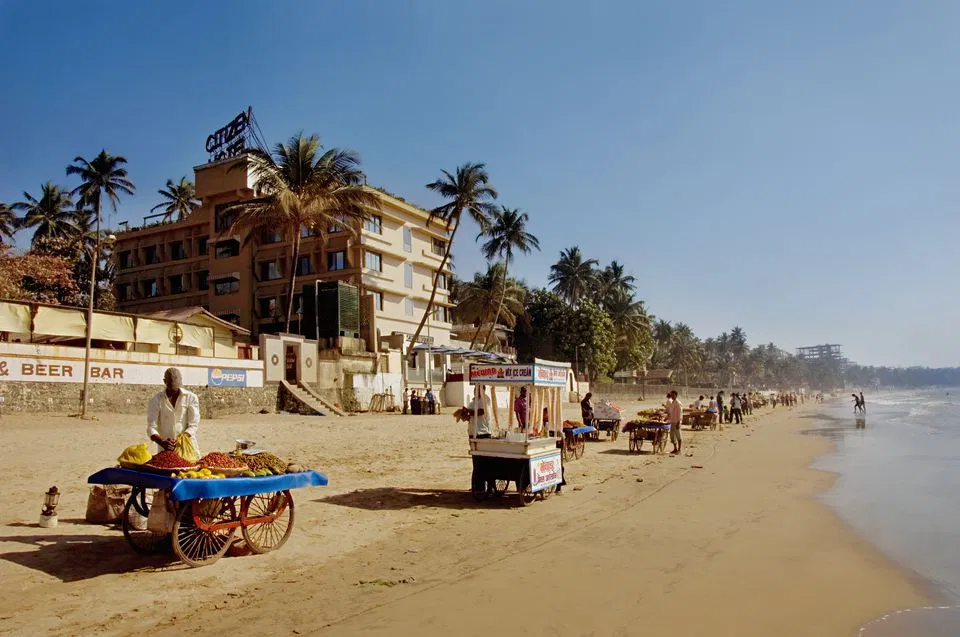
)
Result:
{"points": [[244, 280]]}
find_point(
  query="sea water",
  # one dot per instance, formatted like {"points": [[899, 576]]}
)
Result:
{"points": [[899, 477]]}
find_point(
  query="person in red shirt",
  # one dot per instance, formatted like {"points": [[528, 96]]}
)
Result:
{"points": [[520, 408]]}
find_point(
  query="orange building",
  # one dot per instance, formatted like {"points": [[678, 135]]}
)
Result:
{"points": [[197, 262]]}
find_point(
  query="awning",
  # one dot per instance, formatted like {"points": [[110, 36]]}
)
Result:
{"points": [[224, 276], [14, 317]]}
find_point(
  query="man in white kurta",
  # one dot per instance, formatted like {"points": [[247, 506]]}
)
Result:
{"points": [[173, 411]]}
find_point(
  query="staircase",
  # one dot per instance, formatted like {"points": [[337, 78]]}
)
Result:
{"points": [[317, 397], [295, 399]]}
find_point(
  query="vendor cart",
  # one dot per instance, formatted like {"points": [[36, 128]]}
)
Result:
{"points": [[640, 431], [606, 417], [573, 440], [698, 420], [528, 454], [208, 513]]}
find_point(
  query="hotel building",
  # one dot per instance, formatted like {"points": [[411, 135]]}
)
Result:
{"points": [[198, 262]]}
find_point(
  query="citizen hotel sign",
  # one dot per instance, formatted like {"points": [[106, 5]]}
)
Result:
{"points": [[52, 370]]}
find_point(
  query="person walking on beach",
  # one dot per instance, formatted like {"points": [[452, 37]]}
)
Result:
{"points": [[675, 417], [736, 410], [720, 408], [863, 404], [712, 409]]}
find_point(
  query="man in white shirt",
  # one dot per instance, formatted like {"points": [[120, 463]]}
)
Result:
{"points": [[173, 411], [479, 425], [675, 417]]}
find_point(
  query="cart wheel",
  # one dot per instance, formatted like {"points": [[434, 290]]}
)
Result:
{"points": [[578, 447], [478, 486], [527, 496], [194, 546], [140, 539], [263, 537]]}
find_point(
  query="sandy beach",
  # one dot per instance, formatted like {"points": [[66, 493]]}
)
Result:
{"points": [[396, 545]]}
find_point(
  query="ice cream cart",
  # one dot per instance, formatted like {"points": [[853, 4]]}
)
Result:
{"points": [[523, 447]]}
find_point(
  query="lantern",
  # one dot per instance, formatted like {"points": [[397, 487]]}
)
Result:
{"points": [[48, 517]]}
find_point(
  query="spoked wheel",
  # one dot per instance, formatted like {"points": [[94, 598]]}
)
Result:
{"points": [[271, 534], [478, 487], [526, 494], [196, 546], [499, 487], [578, 447], [134, 524]]}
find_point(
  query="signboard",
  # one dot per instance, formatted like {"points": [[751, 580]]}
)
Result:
{"points": [[501, 374], [551, 375], [231, 140], [217, 377], [545, 471]]}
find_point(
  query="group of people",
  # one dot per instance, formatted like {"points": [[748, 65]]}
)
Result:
{"points": [[414, 403], [859, 404], [787, 399]]}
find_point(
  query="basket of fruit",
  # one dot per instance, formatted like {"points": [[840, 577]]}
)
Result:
{"points": [[224, 464], [168, 462]]}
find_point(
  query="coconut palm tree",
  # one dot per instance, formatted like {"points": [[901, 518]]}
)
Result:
{"points": [[180, 199], [631, 325], [507, 232], [475, 299], [467, 190], [302, 188], [573, 277], [8, 222], [612, 281], [51, 215], [685, 350]]}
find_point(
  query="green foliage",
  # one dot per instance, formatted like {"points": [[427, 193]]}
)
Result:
{"points": [[591, 329], [538, 332]]}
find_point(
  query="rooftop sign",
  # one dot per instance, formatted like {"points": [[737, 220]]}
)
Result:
{"points": [[231, 140]]}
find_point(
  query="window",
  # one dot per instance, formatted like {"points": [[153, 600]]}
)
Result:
{"points": [[123, 259], [151, 288], [334, 229], [305, 232], [177, 251], [304, 266], [408, 275], [377, 300], [408, 307], [226, 286], [270, 236], [268, 307], [123, 292], [228, 248], [202, 280], [202, 246], [176, 284], [336, 261], [442, 314], [150, 255], [270, 271], [298, 303], [437, 246], [230, 318], [224, 217], [373, 261], [407, 240], [374, 224], [442, 282]]}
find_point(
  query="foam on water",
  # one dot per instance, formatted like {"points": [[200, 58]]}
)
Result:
{"points": [[899, 471]]}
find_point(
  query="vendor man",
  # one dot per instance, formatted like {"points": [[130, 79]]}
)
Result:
{"points": [[520, 408], [173, 411], [479, 408]]}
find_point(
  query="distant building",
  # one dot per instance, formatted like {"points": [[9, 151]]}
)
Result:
{"points": [[243, 280]]}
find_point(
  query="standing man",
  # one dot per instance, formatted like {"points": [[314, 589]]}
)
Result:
{"points": [[172, 412], [863, 404], [479, 424], [586, 409], [520, 408], [736, 410], [431, 402], [675, 417]]}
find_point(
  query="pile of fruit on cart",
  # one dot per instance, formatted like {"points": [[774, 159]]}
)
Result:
{"points": [[655, 415], [213, 466]]}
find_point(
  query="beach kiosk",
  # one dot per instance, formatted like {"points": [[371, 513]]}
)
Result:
{"points": [[524, 453]]}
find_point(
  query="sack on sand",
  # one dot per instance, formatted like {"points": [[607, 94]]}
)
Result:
{"points": [[105, 504], [162, 517], [184, 447]]}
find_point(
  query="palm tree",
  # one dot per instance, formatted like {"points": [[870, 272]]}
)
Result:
{"points": [[302, 188], [507, 232], [467, 191], [663, 339], [572, 276], [180, 199], [51, 214], [631, 324], [8, 222], [612, 281], [684, 350], [475, 299]]}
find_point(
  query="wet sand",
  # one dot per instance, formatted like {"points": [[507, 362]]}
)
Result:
{"points": [[396, 544]]}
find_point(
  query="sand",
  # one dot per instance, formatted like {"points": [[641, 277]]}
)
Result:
{"points": [[396, 545]]}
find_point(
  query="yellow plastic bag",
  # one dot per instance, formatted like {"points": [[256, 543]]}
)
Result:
{"points": [[185, 448], [136, 454]]}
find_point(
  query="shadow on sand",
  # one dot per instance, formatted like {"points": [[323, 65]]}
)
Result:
{"points": [[396, 499]]}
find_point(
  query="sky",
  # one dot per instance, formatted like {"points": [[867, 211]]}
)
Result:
{"points": [[788, 167]]}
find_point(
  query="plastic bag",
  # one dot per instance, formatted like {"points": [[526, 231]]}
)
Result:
{"points": [[162, 516], [136, 454], [184, 447]]}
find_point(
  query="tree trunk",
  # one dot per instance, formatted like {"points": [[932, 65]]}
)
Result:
{"points": [[503, 294], [89, 331], [476, 334], [295, 250], [436, 281]]}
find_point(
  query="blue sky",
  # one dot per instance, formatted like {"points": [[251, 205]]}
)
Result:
{"points": [[787, 167]]}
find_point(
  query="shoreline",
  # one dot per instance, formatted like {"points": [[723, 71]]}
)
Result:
{"points": [[397, 546]]}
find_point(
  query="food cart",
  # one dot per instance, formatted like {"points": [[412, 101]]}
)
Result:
{"points": [[606, 417], [643, 430], [207, 513], [527, 455]]}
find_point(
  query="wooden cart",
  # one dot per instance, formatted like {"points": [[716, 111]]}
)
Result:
{"points": [[573, 440], [209, 512], [655, 432], [606, 417]]}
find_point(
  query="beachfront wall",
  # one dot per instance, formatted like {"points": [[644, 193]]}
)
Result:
{"points": [[653, 392]]}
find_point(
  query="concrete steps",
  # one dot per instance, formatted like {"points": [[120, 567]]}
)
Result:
{"points": [[317, 397], [295, 399]]}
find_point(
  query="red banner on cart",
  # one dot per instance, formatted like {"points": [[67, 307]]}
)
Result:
{"points": [[545, 471]]}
